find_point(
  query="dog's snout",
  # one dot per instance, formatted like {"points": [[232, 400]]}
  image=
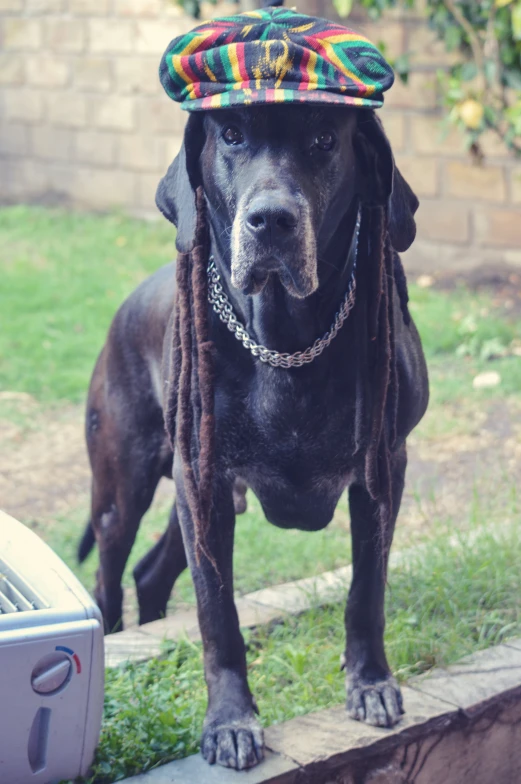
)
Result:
{"points": [[272, 218]]}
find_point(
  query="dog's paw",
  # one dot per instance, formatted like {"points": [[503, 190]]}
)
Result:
{"points": [[379, 704], [237, 744]]}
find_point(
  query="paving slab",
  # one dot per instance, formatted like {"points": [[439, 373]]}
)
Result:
{"points": [[475, 679], [329, 733], [195, 770], [301, 595], [130, 646]]}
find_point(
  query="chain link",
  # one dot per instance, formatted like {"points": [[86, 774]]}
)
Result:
{"points": [[223, 307]]}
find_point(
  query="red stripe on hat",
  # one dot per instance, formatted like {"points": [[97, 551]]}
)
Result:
{"points": [[196, 84], [242, 65]]}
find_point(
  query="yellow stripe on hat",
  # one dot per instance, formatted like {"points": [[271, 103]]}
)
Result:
{"points": [[310, 67], [195, 43], [282, 64], [302, 29], [252, 13], [246, 30], [343, 37], [234, 62]]}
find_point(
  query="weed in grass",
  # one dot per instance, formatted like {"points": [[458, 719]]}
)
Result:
{"points": [[444, 603]]}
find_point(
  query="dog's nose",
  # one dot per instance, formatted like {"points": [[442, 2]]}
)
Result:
{"points": [[273, 218]]}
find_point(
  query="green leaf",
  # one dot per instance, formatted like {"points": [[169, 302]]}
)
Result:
{"points": [[343, 7], [502, 3], [516, 21], [468, 71]]}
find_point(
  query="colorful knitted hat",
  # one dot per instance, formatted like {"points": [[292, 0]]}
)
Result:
{"points": [[273, 55]]}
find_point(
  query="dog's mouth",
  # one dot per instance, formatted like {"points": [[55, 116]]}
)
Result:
{"points": [[252, 278]]}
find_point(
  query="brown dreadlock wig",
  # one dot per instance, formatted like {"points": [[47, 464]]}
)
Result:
{"points": [[387, 226]]}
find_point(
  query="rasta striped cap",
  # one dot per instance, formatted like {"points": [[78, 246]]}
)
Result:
{"points": [[273, 55]]}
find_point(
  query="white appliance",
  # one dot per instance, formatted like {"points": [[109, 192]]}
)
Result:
{"points": [[51, 663]]}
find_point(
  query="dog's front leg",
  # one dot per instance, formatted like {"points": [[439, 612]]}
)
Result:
{"points": [[232, 736], [373, 694]]}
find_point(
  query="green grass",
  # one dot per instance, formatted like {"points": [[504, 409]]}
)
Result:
{"points": [[63, 277], [444, 604]]}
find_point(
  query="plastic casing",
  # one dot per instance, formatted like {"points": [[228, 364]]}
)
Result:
{"points": [[66, 617]]}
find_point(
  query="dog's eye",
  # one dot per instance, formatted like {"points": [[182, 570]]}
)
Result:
{"points": [[325, 141], [232, 135]]}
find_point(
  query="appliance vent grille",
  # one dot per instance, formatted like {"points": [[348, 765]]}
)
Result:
{"points": [[15, 594]]}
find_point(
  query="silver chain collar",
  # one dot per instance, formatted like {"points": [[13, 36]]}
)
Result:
{"points": [[223, 307]]}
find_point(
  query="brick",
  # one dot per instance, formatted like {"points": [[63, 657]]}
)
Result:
{"points": [[172, 147], [421, 174], [137, 75], [90, 7], [387, 36], [467, 181], [11, 5], [394, 124], [515, 184], [152, 37], [23, 105], [429, 136], [44, 6], [60, 182], [95, 147], [160, 115], [138, 8], [501, 228], [146, 192], [114, 113], [22, 179], [111, 36], [492, 146], [443, 221], [209, 10], [141, 153], [14, 139], [426, 48], [51, 143], [65, 35], [420, 92], [12, 68], [45, 70], [93, 73], [22, 34], [67, 109], [103, 188]]}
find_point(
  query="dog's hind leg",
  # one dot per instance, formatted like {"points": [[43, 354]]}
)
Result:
{"points": [[128, 455], [373, 694], [157, 572]]}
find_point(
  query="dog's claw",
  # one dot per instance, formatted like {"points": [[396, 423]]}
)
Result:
{"points": [[233, 745], [379, 704]]}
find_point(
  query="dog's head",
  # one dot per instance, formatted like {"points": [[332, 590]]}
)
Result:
{"points": [[279, 182]]}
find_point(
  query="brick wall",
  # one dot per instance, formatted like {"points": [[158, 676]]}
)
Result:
{"points": [[83, 121]]}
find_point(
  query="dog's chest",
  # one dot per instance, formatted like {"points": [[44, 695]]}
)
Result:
{"points": [[294, 428]]}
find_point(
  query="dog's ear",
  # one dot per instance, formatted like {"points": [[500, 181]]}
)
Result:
{"points": [[381, 183], [175, 195]]}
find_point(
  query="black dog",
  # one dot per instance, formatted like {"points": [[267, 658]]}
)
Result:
{"points": [[284, 188]]}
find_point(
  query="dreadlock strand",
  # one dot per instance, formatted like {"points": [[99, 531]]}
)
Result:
{"points": [[393, 382], [173, 380], [401, 285]]}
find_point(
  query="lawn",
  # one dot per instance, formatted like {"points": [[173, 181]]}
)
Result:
{"points": [[64, 275]]}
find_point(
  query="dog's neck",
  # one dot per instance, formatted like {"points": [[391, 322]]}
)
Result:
{"points": [[276, 319]]}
